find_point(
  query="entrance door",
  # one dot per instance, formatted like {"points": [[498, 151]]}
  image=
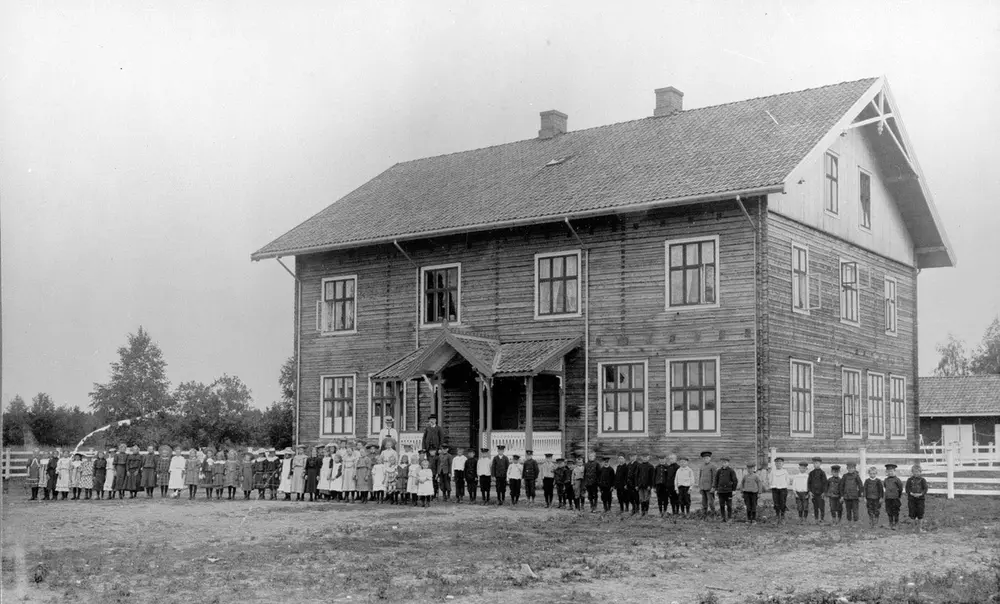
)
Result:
{"points": [[960, 435], [507, 398]]}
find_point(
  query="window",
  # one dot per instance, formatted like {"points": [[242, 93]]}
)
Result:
{"points": [[876, 404], [442, 291], [865, 198], [557, 284], [693, 278], [849, 291], [800, 279], [387, 401], [852, 402], [694, 395], [897, 406], [802, 398], [890, 306], [831, 190], [338, 405], [337, 312], [623, 395]]}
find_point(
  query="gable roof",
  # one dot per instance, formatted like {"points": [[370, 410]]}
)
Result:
{"points": [[743, 148], [962, 395]]}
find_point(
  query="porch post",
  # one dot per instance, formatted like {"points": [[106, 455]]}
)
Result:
{"points": [[562, 404], [439, 401], [489, 415], [482, 412], [529, 423]]}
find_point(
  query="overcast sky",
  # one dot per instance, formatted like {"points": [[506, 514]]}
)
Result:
{"points": [[146, 149]]}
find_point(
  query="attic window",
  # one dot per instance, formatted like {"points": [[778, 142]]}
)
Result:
{"points": [[556, 162]]}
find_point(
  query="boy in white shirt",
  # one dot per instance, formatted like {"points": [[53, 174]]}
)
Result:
{"points": [[514, 472], [458, 473], [683, 481], [483, 469], [779, 483], [800, 484]]}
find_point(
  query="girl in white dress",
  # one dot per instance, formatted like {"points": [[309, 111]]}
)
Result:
{"points": [[177, 466], [109, 477], [413, 482], [63, 468], [336, 477], [378, 481], [323, 485], [285, 486], [425, 488]]}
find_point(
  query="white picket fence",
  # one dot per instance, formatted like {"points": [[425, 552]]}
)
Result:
{"points": [[935, 470], [15, 463], [976, 455]]}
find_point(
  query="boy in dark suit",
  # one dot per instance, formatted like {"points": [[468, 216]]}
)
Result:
{"points": [[606, 482], [817, 488], [621, 484], [893, 494], [725, 483], [645, 474], [660, 479], [498, 469], [530, 476], [833, 494]]}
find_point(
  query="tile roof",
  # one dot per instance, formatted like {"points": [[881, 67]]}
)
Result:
{"points": [[732, 148], [530, 357], [965, 395]]}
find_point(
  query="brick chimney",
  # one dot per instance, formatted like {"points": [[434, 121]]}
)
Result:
{"points": [[553, 124], [669, 101]]}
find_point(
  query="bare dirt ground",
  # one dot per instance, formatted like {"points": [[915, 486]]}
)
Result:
{"points": [[165, 550]]}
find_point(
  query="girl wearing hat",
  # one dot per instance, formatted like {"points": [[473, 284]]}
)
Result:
{"points": [[205, 478], [175, 474], [260, 472], [192, 471], [285, 482], [100, 474], [163, 469], [298, 485], [74, 475]]}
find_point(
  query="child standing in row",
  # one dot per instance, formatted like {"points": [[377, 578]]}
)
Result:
{"points": [[606, 483], [683, 481], [751, 486], [873, 496], [514, 473], [725, 483], [833, 494], [916, 489], [800, 484], [893, 492], [851, 489], [378, 480], [425, 483]]}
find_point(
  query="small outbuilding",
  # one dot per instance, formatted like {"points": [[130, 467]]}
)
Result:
{"points": [[961, 409]]}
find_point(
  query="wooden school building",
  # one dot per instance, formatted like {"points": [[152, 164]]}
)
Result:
{"points": [[731, 278]]}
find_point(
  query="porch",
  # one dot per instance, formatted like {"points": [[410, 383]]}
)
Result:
{"points": [[486, 393]]}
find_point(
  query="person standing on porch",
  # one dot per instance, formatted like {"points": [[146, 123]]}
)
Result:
{"points": [[387, 432], [548, 473], [469, 469], [530, 476], [591, 469], [433, 435], [483, 468], [498, 469]]}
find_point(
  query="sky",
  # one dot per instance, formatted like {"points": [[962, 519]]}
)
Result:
{"points": [[148, 148]]}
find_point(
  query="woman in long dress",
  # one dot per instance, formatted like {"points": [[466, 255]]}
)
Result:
{"points": [[175, 473], [87, 477], [285, 483], [100, 474], [299, 472], [120, 461], [63, 468]]}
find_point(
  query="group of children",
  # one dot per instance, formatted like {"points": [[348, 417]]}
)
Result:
{"points": [[364, 472]]}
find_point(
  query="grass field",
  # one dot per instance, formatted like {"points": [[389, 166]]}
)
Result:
{"points": [[273, 551]]}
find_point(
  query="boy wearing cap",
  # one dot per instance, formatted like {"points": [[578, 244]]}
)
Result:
{"points": [[706, 484], [751, 486], [498, 470], [548, 474], [562, 479], [444, 472], [874, 491], [471, 477], [660, 480], [483, 470], [645, 475], [630, 491], [672, 467], [606, 482], [851, 489], [458, 474], [530, 476], [590, 472], [833, 494], [779, 482], [725, 483], [514, 472], [817, 488], [800, 484], [683, 481], [621, 484], [893, 493], [433, 435], [916, 491], [576, 484]]}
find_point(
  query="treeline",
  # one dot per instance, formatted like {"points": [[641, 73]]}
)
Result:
{"points": [[192, 414]]}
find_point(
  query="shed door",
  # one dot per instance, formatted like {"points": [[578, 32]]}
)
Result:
{"points": [[960, 435]]}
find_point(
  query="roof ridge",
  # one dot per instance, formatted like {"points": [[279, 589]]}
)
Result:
{"points": [[639, 119]]}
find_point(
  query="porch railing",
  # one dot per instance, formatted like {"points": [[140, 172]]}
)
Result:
{"points": [[514, 441]]}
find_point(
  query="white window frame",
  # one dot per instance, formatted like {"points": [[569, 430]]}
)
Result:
{"points": [[423, 295], [371, 407], [795, 248], [861, 206], [859, 411], [791, 399], [857, 292], [834, 213], [718, 272], [893, 306], [718, 398], [321, 307], [889, 415], [579, 289], [600, 399], [354, 406], [882, 402]]}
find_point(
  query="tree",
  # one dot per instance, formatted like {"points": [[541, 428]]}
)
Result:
{"points": [[43, 421], [15, 416], [279, 417], [215, 414], [286, 379], [986, 357], [138, 384], [954, 360]]}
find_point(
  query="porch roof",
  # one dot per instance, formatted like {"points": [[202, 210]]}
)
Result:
{"points": [[488, 356]]}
